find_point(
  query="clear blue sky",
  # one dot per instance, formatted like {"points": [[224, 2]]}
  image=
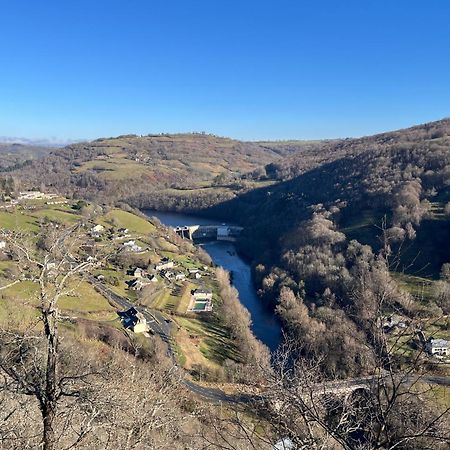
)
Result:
{"points": [[250, 69]]}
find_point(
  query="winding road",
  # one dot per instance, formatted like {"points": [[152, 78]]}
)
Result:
{"points": [[160, 326]]}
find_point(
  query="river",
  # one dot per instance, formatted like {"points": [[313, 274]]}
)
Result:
{"points": [[265, 325]]}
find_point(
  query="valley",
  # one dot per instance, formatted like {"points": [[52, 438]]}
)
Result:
{"points": [[339, 270]]}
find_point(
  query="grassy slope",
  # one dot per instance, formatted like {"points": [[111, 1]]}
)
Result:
{"points": [[198, 341]]}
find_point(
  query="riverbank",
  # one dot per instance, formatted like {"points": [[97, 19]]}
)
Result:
{"points": [[265, 325]]}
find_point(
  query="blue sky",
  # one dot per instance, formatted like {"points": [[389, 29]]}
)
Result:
{"points": [[246, 69]]}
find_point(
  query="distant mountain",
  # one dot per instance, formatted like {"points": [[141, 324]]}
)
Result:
{"points": [[15, 155], [52, 142]]}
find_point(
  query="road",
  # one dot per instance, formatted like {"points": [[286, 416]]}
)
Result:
{"points": [[156, 321], [161, 327]]}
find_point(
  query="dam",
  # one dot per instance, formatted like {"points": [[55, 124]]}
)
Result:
{"points": [[209, 232]]}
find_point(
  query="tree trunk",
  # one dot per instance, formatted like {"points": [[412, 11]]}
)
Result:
{"points": [[50, 395], [48, 435]]}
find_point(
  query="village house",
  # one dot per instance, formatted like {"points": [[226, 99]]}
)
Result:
{"points": [[393, 322], [180, 276], [2, 245], [284, 444], [164, 264], [122, 233], [138, 284], [437, 347], [131, 246], [202, 294], [137, 272], [167, 274], [195, 273], [97, 230], [134, 320]]}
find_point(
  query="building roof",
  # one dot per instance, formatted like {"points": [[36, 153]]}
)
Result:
{"points": [[131, 311], [202, 291], [438, 343]]}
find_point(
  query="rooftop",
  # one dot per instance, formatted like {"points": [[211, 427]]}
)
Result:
{"points": [[439, 343]]}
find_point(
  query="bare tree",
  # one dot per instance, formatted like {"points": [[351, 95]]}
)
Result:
{"points": [[28, 369]]}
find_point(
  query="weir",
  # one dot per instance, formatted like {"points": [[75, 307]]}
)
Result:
{"points": [[209, 232]]}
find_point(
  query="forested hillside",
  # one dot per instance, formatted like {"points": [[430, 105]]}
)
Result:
{"points": [[338, 244], [151, 170]]}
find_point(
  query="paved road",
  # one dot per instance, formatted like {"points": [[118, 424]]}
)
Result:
{"points": [[161, 327], [156, 321]]}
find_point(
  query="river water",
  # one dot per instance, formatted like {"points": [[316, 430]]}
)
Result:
{"points": [[265, 325]]}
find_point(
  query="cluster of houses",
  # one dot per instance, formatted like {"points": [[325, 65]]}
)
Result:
{"points": [[97, 231], [201, 299], [436, 347], [52, 199], [141, 279], [165, 269]]}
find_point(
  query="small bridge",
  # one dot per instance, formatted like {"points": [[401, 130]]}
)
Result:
{"points": [[209, 232]]}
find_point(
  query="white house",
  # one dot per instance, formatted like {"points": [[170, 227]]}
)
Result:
{"points": [[284, 444], [138, 284], [437, 347], [203, 294], [195, 273], [2, 245], [164, 264], [97, 228], [138, 272], [131, 245]]}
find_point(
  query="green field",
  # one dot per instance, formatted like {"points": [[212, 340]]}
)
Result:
{"points": [[84, 299], [421, 288], [124, 219], [56, 215], [18, 220], [216, 344]]}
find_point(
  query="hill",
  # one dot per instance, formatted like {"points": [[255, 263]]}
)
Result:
{"points": [[139, 169], [376, 176], [14, 155], [338, 243]]}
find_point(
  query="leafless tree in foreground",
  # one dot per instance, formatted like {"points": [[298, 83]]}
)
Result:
{"points": [[29, 366]]}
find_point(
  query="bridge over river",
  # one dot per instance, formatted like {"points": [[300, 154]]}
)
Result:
{"points": [[209, 232]]}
